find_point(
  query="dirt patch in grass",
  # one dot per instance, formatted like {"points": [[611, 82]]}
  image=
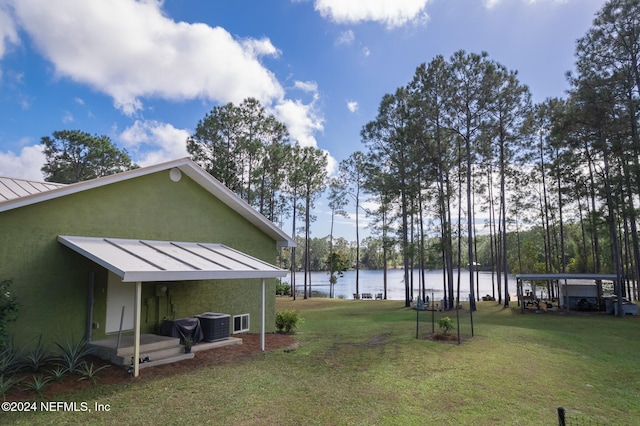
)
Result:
{"points": [[378, 340], [445, 337], [118, 375]]}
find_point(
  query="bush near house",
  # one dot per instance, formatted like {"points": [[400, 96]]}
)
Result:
{"points": [[9, 308], [287, 320], [283, 289]]}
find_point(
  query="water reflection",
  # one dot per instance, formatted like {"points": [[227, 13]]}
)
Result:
{"points": [[372, 282]]}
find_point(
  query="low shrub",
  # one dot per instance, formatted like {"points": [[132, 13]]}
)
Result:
{"points": [[445, 324], [287, 320], [9, 308], [283, 289]]}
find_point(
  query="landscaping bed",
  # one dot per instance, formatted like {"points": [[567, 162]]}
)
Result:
{"points": [[114, 374]]}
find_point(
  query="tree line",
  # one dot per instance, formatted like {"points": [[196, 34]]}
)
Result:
{"points": [[463, 141], [464, 169]]}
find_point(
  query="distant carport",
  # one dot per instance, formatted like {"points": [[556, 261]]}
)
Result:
{"points": [[597, 278], [139, 261]]}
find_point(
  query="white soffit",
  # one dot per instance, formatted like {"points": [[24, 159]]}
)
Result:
{"points": [[149, 260]]}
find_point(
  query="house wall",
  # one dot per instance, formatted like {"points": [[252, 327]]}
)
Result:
{"points": [[51, 281]]}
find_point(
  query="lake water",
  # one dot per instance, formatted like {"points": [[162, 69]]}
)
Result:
{"points": [[372, 282]]}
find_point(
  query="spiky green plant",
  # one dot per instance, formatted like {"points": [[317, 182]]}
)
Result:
{"points": [[9, 360], [7, 383], [38, 384], [72, 353], [36, 358], [88, 371], [58, 373]]}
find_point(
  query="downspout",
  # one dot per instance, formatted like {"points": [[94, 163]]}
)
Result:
{"points": [[89, 325], [136, 324], [262, 315]]}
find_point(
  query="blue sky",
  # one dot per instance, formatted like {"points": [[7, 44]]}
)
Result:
{"points": [[144, 72]]}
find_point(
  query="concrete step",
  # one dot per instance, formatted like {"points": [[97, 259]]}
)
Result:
{"points": [[156, 362], [167, 360], [163, 353], [159, 349], [127, 349], [160, 361], [106, 349]]}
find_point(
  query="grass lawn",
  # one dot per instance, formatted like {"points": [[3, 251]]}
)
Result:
{"points": [[359, 362]]}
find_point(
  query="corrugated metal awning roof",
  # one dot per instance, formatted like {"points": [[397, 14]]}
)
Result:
{"points": [[543, 277], [149, 260]]}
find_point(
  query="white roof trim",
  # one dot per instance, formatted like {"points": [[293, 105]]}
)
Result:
{"points": [[188, 167], [150, 261]]}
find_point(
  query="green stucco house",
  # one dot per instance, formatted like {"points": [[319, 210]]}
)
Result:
{"points": [[162, 242]]}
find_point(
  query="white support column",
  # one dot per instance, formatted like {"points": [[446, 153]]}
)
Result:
{"points": [[136, 324], [262, 315]]}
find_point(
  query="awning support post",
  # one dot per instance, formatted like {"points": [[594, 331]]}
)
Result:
{"points": [[136, 323], [262, 316]]}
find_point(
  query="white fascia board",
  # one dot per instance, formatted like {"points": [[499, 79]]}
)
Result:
{"points": [[155, 276]]}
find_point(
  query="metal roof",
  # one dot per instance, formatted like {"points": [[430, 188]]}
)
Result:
{"points": [[149, 260], [11, 188], [543, 277]]}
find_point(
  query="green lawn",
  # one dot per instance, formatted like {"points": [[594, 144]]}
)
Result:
{"points": [[359, 362]]}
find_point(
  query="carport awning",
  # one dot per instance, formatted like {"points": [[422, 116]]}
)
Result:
{"points": [[149, 260], [544, 277]]}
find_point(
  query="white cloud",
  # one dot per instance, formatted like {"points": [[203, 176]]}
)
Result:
{"points": [[332, 164], [352, 106], [131, 50], [261, 47], [67, 117], [301, 119], [346, 37], [25, 165], [157, 142], [366, 52], [489, 4], [392, 13], [307, 86], [8, 32], [148, 143]]}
